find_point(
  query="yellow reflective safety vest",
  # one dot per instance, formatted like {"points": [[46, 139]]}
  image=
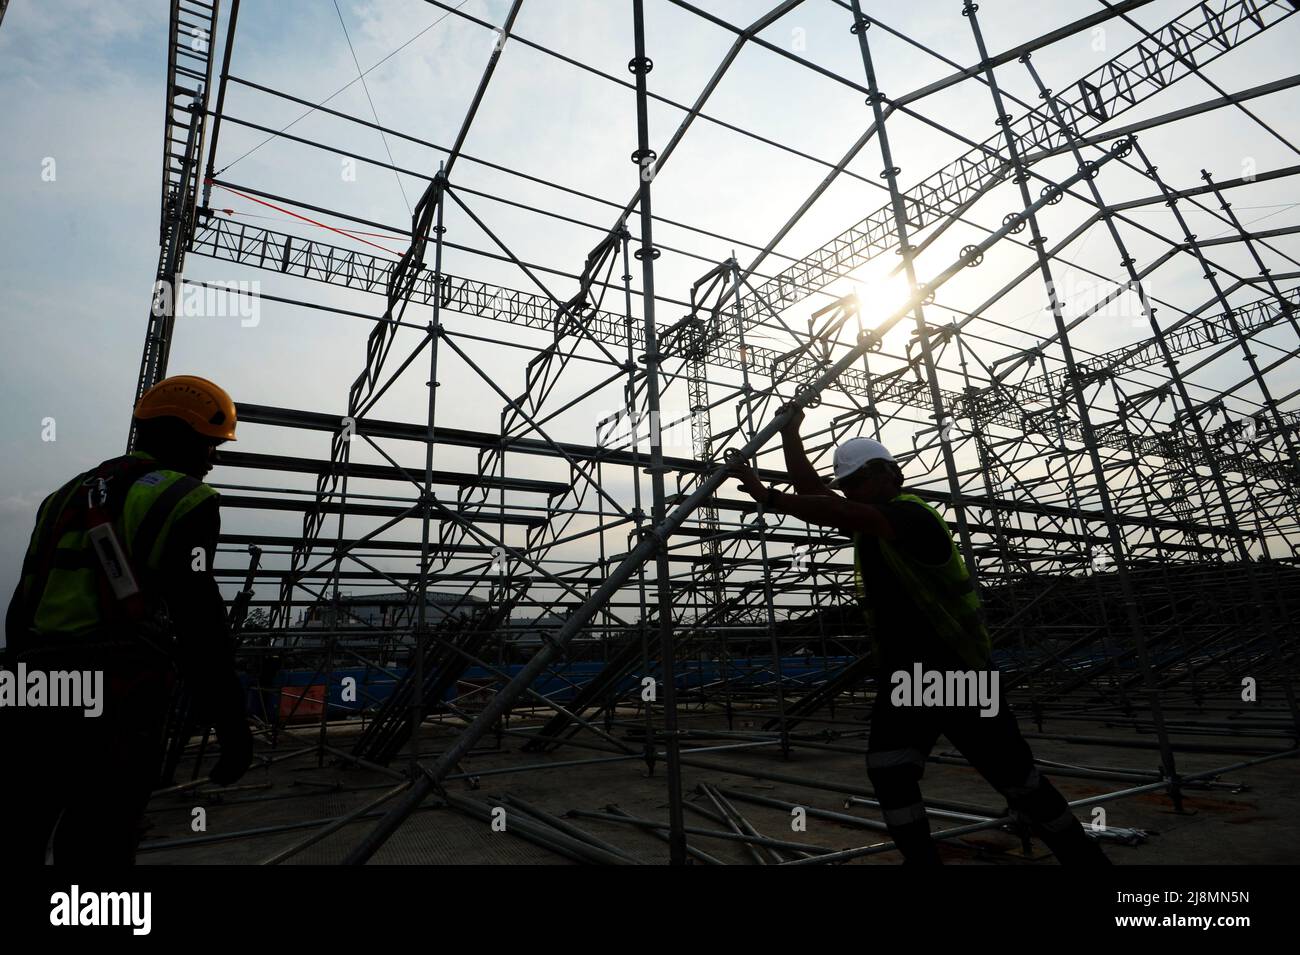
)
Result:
{"points": [[944, 593], [63, 585]]}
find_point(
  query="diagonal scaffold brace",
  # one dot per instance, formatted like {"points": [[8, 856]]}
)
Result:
{"points": [[656, 537]]}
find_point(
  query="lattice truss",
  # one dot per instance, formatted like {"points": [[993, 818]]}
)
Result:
{"points": [[1078, 343]]}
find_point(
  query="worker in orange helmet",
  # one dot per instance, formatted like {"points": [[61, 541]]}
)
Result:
{"points": [[118, 599]]}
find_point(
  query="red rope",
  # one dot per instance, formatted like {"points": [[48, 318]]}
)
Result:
{"points": [[321, 225]]}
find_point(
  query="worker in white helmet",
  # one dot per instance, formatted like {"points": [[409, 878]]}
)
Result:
{"points": [[923, 617]]}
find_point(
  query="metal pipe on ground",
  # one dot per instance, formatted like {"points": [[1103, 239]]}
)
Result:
{"points": [[695, 830], [828, 814], [734, 815], [692, 851], [524, 827], [555, 822], [721, 818], [335, 826]]}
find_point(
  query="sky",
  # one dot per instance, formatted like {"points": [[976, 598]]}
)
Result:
{"points": [[81, 123]]}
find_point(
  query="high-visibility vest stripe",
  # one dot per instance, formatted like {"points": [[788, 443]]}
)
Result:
{"points": [[944, 593]]}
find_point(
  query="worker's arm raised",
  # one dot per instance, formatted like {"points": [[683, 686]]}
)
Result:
{"points": [[827, 510], [831, 510], [803, 476]]}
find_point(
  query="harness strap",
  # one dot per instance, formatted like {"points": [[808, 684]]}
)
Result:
{"points": [[92, 499]]}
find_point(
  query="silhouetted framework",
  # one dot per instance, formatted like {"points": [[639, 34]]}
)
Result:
{"points": [[1129, 514]]}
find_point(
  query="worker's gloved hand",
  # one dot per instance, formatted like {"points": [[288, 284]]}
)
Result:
{"points": [[796, 418], [750, 482], [236, 752]]}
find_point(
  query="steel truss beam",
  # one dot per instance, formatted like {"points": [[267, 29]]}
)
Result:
{"points": [[247, 244]]}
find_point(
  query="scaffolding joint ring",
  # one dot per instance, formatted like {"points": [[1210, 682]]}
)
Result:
{"points": [[806, 398], [655, 533]]}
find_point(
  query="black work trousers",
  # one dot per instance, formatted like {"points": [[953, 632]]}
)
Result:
{"points": [[901, 739], [84, 781]]}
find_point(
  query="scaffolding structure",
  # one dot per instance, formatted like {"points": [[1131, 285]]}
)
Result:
{"points": [[1129, 515]]}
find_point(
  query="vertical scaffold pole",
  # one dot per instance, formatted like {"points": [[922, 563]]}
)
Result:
{"points": [[421, 594], [644, 158], [890, 175]]}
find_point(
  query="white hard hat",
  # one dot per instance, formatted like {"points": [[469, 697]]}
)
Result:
{"points": [[854, 453]]}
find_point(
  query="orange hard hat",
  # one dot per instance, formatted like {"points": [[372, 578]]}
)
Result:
{"points": [[201, 404]]}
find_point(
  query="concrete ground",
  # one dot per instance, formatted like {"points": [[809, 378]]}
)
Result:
{"points": [[1248, 816]]}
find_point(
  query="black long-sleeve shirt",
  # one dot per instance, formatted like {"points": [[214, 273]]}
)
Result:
{"points": [[204, 647]]}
